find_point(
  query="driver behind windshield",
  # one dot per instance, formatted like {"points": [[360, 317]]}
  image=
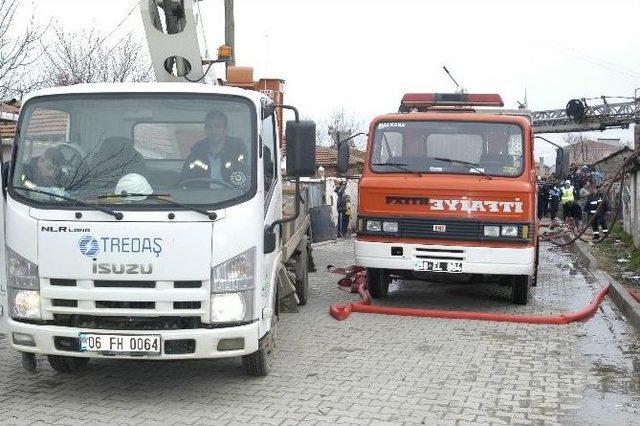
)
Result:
{"points": [[218, 157], [496, 157], [45, 171]]}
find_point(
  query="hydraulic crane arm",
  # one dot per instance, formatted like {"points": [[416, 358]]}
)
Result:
{"points": [[172, 38], [580, 117]]}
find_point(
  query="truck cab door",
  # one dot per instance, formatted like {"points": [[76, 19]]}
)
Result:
{"points": [[272, 193], [4, 307]]}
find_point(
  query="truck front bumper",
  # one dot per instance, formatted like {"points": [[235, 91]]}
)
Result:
{"points": [[206, 340], [475, 260]]}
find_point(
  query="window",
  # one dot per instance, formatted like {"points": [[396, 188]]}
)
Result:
{"points": [[90, 146], [448, 147], [268, 152]]}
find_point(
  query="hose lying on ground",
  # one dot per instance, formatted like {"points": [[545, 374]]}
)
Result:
{"points": [[355, 278]]}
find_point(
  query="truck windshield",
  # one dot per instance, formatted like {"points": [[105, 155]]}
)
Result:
{"points": [[196, 149], [494, 149]]}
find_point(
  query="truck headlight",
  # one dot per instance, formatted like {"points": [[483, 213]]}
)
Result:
{"points": [[390, 227], [509, 230], [24, 304], [374, 226], [21, 273], [235, 274], [232, 284], [231, 307], [492, 231]]}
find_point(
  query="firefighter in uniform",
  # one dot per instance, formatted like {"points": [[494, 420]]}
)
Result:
{"points": [[595, 199]]}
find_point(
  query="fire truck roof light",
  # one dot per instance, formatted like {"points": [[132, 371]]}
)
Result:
{"points": [[417, 100]]}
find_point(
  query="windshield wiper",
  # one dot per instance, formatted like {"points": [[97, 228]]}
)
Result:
{"points": [[473, 166], [117, 215], [401, 166], [162, 197]]}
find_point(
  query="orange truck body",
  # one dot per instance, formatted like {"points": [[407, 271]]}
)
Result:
{"points": [[441, 216]]}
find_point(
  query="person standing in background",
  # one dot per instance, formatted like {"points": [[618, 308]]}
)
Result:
{"points": [[348, 213], [341, 207]]}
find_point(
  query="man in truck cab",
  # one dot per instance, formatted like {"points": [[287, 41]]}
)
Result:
{"points": [[496, 156], [217, 158], [45, 171]]}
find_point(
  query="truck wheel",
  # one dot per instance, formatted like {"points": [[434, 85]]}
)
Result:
{"points": [[67, 364], [259, 363], [302, 274], [520, 289], [377, 283]]}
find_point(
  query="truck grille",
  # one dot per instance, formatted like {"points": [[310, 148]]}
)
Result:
{"points": [[125, 304], [442, 229], [126, 323]]}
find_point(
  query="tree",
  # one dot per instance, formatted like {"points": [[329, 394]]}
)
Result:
{"points": [[85, 57], [579, 148], [19, 50], [342, 122]]}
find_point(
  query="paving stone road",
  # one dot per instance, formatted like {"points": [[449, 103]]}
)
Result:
{"points": [[373, 369]]}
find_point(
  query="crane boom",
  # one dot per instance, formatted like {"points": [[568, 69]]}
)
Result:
{"points": [[596, 117], [172, 39]]}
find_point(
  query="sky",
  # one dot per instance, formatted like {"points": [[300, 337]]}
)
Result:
{"points": [[363, 55]]}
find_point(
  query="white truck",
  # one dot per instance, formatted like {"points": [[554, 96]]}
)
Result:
{"points": [[115, 248]]}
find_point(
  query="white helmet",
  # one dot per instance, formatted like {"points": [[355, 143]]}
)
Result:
{"points": [[133, 183], [567, 182]]}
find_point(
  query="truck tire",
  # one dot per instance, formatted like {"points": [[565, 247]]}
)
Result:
{"points": [[377, 283], [259, 363], [67, 364], [520, 289], [302, 274]]}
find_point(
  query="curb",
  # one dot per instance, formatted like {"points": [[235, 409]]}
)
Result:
{"points": [[619, 294], [326, 243]]}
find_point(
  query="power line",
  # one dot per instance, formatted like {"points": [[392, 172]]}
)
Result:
{"points": [[620, 70], [99, 42]]}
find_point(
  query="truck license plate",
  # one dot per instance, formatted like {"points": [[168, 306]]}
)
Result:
{"points": [[429, 266], [120, 343]]}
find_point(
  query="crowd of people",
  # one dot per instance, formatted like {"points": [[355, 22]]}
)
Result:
{"points": [[577, 199]]}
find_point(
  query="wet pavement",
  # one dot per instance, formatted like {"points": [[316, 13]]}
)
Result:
{"points": [[374, 368]]}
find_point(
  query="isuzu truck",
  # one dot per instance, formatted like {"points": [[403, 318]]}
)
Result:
{"points": [[144, 221]]}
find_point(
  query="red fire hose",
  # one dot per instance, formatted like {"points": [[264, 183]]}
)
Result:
{"points": [[355, 277]]}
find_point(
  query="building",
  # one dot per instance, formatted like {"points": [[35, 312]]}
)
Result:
{"points": [[612, 162], [327, 157], [8, 119], [588, 152]]}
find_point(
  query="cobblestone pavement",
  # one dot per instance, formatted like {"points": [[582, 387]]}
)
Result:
{"points": [[373, 368]]}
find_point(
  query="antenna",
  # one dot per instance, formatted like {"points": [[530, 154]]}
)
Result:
{"points": [[524, 104], [459, 89]]}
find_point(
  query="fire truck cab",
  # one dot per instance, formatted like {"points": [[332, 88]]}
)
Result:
{"points": [[449, 188]]}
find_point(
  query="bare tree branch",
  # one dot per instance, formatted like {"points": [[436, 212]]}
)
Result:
{"points": [[85, 57], [19, 50]]}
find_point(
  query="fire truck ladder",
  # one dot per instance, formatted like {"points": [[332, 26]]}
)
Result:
{"points": [[579, 116]]}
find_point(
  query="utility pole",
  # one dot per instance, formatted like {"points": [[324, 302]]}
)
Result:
{"points": [[229, 30]]}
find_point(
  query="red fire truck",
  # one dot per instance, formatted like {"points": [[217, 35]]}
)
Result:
{"points": [[449, 187]]}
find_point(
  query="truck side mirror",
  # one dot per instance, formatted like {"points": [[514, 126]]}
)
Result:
{"points": [[562, 164], [343, 158], [268, 108], [269, 240], [301, 148], [5, 177]]}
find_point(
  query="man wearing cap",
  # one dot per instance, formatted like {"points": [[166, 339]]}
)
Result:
{"points": [[219, 156], [595, 199]]}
